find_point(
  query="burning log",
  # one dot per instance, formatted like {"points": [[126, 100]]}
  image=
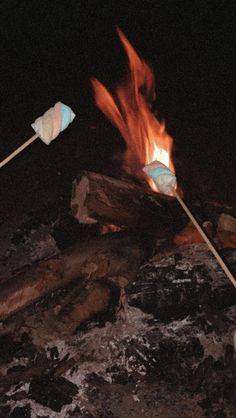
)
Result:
{"points": [[126, 203], [106, 256]]}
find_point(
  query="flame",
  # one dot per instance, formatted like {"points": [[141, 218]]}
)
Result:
{"points": [[129, 109]]}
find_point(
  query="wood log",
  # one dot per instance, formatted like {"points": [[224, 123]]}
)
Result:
{"points": [[118, 254], [126, 203]]}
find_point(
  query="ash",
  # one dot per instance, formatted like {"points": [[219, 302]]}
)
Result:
{"points": [[173, 356]]}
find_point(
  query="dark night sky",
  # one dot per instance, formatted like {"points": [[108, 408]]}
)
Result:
{"points": [[50, 49]]}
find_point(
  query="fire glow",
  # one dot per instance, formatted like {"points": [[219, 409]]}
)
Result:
{"points": [[129, 109]]}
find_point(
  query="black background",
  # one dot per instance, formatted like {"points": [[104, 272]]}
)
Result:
{"points": [[50, 49]]}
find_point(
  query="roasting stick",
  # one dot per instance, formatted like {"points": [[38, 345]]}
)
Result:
{"points": [[46, 127], [18, 150], [166, 181]]}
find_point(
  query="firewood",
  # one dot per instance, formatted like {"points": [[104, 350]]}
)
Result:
{"points": [[126, 203], [84, 302], [118, 254]]}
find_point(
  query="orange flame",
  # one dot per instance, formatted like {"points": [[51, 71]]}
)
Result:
{"points": [[130, 111]]}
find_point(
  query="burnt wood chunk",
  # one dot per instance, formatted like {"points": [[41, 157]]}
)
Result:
{"points": [[119, 254], [126, 203], [52, 391], [21, 412]]}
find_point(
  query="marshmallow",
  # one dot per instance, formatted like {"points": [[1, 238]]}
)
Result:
{"points": [[163, 177], [53, 121]]}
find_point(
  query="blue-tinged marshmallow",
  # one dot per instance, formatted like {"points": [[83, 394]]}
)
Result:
{"points": [[163, 177], [67, 116]]}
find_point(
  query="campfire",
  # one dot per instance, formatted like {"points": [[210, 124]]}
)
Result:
{"points": [[129, 204], [148, 144], [136, 236], [132, 205]]}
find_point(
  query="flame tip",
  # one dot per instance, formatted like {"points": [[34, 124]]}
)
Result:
{"points": [[129, 109]]}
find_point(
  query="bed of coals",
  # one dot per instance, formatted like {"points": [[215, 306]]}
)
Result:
{"points": [[173, 355]]}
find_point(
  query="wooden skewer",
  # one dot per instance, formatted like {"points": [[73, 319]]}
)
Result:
{"points": [[204, 236], [18, 150]]}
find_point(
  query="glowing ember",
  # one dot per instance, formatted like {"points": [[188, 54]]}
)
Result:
{"points": [[130, 111], [107, 228]]}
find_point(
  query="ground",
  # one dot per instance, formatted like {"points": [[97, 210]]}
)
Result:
{"points": [[173, 355]]}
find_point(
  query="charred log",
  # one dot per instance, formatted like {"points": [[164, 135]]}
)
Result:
{"points": [[126, 203], [111, 255]]}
